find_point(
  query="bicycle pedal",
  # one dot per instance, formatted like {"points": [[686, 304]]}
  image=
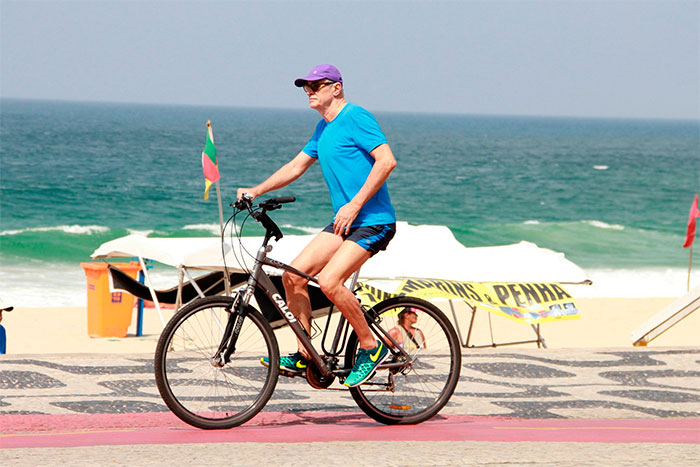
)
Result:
{"points": [[292, 374]]}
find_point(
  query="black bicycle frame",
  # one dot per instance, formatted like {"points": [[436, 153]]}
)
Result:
{"points": [[258, 278]]}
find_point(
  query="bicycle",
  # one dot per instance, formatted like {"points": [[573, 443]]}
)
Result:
{"points": [[208, 358]]}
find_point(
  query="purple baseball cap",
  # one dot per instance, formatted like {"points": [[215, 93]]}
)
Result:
{"points": [[320, 72]]}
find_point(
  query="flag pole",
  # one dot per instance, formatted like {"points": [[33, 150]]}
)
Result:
{"points": [[221, 211], [690, 263], [690, 233], [227, 286], [218, 190]]}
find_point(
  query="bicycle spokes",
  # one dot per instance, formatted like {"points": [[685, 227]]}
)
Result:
{"points": [[422, 374], [191, 376]]}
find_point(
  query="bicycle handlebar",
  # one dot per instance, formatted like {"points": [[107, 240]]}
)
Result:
{"points": [[271, 229], [267, 205]]}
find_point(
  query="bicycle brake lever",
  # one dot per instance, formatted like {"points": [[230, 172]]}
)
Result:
{"points": [[243, 203]]}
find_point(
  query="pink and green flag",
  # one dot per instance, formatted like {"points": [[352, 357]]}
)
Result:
{"points": [[209, 164]]}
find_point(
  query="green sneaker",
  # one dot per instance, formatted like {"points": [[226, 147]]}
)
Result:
{"points": [[295, 362], [365, 364]]}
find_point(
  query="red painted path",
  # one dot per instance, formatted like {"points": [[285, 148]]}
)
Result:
{"points": [[22, 431]]}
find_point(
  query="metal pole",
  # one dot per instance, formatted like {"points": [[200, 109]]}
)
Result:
{"points": [[139, 314], [690, 263], [540, 339], [227, 286], [221, 211], [178, 299], [152, 290]]}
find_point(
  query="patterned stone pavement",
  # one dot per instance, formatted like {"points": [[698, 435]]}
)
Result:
{"points": [[529, 384]]}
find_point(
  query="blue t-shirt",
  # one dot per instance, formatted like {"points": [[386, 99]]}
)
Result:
{"points": [[342, 146]]}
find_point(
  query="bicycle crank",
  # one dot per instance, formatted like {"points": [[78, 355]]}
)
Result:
{"points": [[316, 379]]}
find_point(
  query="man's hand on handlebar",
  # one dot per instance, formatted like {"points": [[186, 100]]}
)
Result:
{"points": [[259, 212], [250, 192]]}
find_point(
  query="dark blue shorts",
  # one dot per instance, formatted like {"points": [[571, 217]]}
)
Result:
{"points": [[373, 238]]}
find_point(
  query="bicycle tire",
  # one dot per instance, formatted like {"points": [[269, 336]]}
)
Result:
{"points": [[193, 387], [423, 388]]}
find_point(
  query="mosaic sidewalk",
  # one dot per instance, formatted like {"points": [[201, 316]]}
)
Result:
{"points": [[525, 384]]}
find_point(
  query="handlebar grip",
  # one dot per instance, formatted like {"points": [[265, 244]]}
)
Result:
{"points": [[243, 203], [283, 199]]}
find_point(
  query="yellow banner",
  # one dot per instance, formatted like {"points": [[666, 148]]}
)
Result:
{"points": [[524, 302]]}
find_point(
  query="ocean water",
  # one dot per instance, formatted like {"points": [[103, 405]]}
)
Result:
{"points": [[612, 195]]}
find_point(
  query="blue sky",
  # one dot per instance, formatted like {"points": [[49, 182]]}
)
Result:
{"points": [[579, 58]]}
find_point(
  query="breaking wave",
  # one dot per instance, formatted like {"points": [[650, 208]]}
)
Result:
{"points": [[70, 229]]}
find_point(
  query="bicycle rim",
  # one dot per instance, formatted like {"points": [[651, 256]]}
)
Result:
{"points": [[424, 387], [198, 391]]}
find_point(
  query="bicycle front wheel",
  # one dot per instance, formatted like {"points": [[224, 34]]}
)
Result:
{"points": [[191, 380], [420, 389]]}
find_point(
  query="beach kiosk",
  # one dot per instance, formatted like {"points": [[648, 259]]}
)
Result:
{"points": [[522, 282]]}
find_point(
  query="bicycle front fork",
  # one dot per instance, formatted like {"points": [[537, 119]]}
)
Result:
{"points": [[231, 332]]}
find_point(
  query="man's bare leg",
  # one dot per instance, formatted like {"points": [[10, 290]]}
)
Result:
{"points": [[346, 260], [311, 260]]}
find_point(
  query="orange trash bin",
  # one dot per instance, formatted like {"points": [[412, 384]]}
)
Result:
{"points": [[108, 313]]}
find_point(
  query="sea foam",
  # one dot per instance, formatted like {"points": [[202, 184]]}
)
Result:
{"points": [[70, 229], [604, 225], [213, 228], [145, 233], [54, 285], [308, 230]]}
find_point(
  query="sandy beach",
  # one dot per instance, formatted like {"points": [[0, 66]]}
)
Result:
{"points": [[605, 322]]}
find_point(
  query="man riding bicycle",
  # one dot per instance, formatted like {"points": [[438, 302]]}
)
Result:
{"points": [[356, 161]]}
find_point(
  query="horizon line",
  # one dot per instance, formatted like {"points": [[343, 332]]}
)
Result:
{"points": [[404, 112]]}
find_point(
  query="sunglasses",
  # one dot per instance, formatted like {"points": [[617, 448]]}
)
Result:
{"points": [[314, 86]]}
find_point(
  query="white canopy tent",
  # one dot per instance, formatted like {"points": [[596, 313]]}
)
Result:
{"points": [[422, 252]]}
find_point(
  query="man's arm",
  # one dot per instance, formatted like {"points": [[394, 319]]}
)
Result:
{"points": [[282, 177], [383, 165]]}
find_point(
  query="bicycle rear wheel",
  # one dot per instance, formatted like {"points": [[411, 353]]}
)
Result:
{"points": [[419, 390], [194, 386]]}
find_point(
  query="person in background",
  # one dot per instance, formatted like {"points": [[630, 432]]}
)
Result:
{"points": [[3, 334], [406, 333]]}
